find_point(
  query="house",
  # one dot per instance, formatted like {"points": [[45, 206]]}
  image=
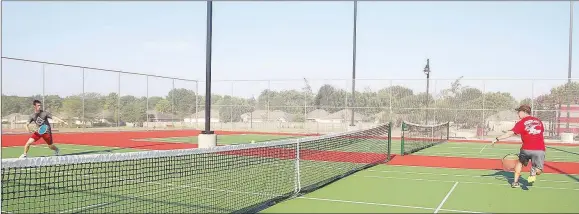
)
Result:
{"points": [[200, 117], [316, 115], [155, 116], [259, 116], [501, 121], [16, 118], [343, 116], [573, 119]]}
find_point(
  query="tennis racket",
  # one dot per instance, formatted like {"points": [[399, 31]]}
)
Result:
{"points": [[40, 129], [510, 161]]}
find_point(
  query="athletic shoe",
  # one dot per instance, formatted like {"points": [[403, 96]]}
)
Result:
{"points": [[531, 180], [515, 185], [57, 152], [23, 156]]}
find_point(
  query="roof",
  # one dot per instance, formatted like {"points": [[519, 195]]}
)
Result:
{"points": [[159, 115], [317, 114], [506, 115], [345, 114], [273, 115], [201, 114]]}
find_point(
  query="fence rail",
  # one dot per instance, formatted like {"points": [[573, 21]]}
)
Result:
{"points": [[96, 99]]}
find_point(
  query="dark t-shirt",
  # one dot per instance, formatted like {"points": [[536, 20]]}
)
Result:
{"points": [[40, 118]]}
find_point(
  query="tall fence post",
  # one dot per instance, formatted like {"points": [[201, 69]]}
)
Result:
{"points": [[173, 103], [43, 85], [147, 104], [119, 103], [483, 110], [83, 104], [196, 104]]}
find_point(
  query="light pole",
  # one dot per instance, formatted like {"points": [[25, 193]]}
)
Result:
{"points": [[427, 72], [354, 63], [569, 65]]}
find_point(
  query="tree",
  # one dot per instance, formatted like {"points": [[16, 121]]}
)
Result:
{"points": [[163, 106]]}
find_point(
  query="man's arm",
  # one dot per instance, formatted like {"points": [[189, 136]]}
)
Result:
{"points": [[30, 120], [49, 115], [506, 135]]}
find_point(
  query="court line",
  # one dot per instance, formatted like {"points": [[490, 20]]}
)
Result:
{"points": [[169, 183], [465, 182], [446, 197], [131, 197], [383, 204], [484, 155], [462, 175]]}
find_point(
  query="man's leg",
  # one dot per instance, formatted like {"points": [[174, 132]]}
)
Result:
{"points": [[523, 161], [537, 162], [48, 139], [30, 141]]}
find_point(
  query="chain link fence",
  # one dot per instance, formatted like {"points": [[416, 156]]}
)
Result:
{"points": [[93, 99]]}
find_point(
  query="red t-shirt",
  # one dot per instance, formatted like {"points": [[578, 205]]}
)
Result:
{"points": [[531, 131]]}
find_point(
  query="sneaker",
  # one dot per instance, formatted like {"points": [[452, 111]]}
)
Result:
{"points": [[515, 185], [57, 152], [23, 156], [531, 180]]}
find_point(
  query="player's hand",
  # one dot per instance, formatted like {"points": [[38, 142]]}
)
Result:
{"points": [[494, 141]]}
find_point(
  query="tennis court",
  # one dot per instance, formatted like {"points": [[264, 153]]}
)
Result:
{"points": [[451, 177]]}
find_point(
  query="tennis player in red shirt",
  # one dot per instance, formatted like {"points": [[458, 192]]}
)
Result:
{"points": [[531, 131]]}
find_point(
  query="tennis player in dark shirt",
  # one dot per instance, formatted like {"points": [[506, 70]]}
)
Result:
{"points": [[40, 117]]}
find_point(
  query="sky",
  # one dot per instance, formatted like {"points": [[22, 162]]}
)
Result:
{"points": [[505, 43]]}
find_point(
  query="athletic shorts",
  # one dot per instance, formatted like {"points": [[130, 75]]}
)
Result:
{"points": [[46, 136], [537, 158]]}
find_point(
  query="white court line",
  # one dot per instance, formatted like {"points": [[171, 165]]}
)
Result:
{"points": [[445, 197], [464, 182], [478, 155], [459, 175], [383, 204], [483, 148]]}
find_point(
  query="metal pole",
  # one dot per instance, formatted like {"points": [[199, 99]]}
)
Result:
{"points": [[83, 119], [570, 64], [43, 87], [119, 103], [427, 71], [354, 63], [196, 104], [208, 69], [147, 110], [173, 105]]}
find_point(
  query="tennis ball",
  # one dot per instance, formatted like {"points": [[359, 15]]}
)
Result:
{"points": [[252, 141]]}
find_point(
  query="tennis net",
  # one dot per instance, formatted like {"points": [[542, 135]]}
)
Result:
{"points": [[416, 137], [227, 179]]}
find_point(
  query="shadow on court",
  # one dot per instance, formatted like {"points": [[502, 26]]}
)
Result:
{"points": [[562, 172], [562, 150], [508, 177]]}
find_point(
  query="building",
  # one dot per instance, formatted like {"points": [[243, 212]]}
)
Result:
{"points": [[317, 115], [573, 119], [259, 116], [199, 117]]}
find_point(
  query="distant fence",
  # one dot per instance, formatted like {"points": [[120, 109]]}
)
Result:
{"points": [[95, 99]]}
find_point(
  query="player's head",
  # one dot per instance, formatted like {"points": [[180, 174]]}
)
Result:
{"points": [[523, 111], [37, 105]]}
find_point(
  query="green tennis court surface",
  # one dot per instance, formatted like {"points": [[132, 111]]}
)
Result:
{"points": [[403, 189], [384, 188], [41, 150]]}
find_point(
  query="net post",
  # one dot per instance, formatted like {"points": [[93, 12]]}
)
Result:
{"points": [[389, 141], [402, 139], [447, 131], [297, 184]]}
